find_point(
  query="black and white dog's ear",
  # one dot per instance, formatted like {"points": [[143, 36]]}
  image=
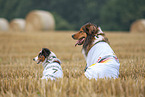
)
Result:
{"points": [[46, 52]]}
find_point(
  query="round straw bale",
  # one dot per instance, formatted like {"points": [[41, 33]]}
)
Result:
{"points": [[40, 20], [138, 26], [17, 24], [4, 25]]}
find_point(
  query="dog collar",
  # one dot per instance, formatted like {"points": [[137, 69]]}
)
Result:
{"points": [[57, 61], [51, 60]]}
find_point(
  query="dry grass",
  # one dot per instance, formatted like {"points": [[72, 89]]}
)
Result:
{"points": [[20, 76]]}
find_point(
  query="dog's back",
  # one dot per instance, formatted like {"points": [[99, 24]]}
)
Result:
{"points": [[102, 62], [52, 71]]}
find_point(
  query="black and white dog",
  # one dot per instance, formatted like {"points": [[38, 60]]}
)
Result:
{"points": [[51, 64]]}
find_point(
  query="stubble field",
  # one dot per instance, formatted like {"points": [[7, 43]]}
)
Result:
{"points": [[21, 77]]}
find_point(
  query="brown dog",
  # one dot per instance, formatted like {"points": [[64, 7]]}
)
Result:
{"points": [[86, 35], [101, 60]]}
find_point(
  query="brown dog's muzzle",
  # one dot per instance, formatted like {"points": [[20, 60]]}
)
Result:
{"points": [[80, 36], [73, 36]]}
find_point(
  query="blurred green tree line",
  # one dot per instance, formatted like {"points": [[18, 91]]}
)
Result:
{"points": [[72, 14]]}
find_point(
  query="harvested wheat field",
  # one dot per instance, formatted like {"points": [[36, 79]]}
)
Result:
{"points": [[20, 76]]}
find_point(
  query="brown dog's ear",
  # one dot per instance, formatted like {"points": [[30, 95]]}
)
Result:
{"points": [[90, 29]]}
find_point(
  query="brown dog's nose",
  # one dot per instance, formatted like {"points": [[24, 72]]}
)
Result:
{"points": [[73, 36]]}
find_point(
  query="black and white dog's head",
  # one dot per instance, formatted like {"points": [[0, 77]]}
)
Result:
{"points": [[44, 54]]}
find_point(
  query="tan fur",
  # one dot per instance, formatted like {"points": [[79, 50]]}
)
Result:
{"points": [[80, 34]]}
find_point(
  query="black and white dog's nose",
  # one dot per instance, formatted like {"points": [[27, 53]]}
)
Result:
{"points": [[33, 59]]}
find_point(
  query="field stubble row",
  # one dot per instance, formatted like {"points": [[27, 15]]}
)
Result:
{"points": [[20, 76]]}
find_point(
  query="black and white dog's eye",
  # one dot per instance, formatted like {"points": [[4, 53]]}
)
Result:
{"points": [[40, 54]]}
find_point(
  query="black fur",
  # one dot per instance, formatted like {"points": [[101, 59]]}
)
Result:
{"points": [[45, 52], [88, 40]]}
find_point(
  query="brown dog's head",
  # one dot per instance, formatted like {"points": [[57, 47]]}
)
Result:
{"points": [[89, 35], [87, 30]]}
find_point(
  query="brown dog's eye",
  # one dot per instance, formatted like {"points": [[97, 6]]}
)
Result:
{"points": [[81, 31]]}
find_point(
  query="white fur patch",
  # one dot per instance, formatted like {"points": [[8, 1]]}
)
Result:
{"points": [[36, 58], [83, 52]]}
